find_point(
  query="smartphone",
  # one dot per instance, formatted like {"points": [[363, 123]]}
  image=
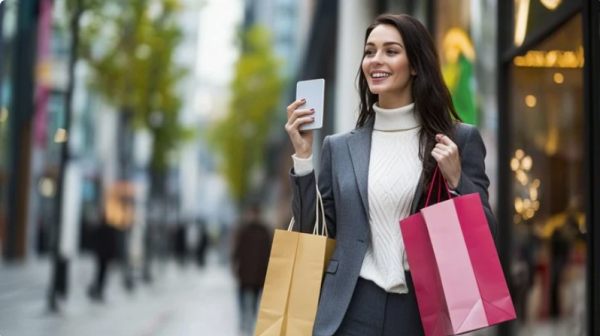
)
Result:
{"points": [[314, 92]]}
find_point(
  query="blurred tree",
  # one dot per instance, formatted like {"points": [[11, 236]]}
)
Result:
{"points": [[240, 138], [130, 47]]}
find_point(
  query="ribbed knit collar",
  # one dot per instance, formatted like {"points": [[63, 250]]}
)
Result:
{"points": [[398, 119]]}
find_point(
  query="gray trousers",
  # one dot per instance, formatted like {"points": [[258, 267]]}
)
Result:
{"points": [[374, 312]]}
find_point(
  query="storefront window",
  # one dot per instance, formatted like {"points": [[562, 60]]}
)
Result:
{"points": [[533, 16], [466, 40], [548, 186]]}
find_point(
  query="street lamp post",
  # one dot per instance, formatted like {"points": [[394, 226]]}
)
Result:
{"points": [[59, 283]]}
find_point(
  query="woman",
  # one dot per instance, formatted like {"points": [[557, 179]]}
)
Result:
{"points": [[378, 174]]}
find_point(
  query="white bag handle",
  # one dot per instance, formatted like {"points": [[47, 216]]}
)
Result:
{"points": [[318, 204]]}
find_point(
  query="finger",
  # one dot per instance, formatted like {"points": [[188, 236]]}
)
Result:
{"points": [[444, 139], [440, 145], [442, 153], [293, 106], [296, 125], [299, 114], [450, 149], [437, 156]]}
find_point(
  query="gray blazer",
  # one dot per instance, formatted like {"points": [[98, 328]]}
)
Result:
{"points": [[343, 185]]}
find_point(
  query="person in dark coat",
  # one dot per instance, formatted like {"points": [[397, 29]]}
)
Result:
{"points": [[562, 243], [181, 243], [252, 247], [104, 242], [202, 244]]}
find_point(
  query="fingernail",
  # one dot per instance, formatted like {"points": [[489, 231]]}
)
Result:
{"points": [[313, 118], [313, 110], [303, 99]]}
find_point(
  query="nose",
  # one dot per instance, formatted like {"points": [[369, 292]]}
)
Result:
{"points": [[377, 59]]}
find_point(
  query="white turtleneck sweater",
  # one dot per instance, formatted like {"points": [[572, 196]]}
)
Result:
{"points": [[394, 172]]}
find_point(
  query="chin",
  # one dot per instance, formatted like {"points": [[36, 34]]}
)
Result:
{"points": [[378, 90]]}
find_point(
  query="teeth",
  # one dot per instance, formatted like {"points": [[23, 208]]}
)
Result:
{"points": [[379, 75]]}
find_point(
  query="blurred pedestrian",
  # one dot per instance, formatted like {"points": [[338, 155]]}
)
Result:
{"points": [[378, 174], [180, 243], [251, 249], [202, 244], [526, 244], [562, 242], [104, 242]]}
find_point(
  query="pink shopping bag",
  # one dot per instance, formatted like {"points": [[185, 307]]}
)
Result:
{"points": [[458, 279]]}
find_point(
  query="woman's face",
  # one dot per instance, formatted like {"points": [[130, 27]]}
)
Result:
{"points": [[385, 63]]}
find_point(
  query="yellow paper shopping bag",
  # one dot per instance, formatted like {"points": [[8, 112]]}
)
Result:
{"points": [[293, 284]]}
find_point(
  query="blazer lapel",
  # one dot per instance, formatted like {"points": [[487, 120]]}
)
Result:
{"points": [[359, 145], [418, 194]]}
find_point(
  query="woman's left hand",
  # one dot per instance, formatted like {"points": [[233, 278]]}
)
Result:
{"points": [[448, 159]]}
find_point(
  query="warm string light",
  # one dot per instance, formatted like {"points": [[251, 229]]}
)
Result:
{"points": [[551, 4], [46, 187], [3, 115], [530, 100], [521, 19], [527, 206], [552, 59], [559, 78], [61, 135]]}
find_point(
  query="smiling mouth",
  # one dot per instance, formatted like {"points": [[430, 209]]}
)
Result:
{"points": [[380, 75]]}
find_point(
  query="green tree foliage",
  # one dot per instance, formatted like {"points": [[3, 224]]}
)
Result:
{"points": [[240, 138], [130, 47]]}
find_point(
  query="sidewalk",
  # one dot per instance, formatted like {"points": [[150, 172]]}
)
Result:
{"points": [[180, 302]]}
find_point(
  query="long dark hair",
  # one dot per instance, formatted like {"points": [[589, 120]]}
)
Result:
{"points": [[433, 102]]}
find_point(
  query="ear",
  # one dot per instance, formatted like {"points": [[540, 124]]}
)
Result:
{"points": [[413, 72]]}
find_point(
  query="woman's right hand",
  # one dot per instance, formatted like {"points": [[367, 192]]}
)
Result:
{"points": [[302, 140]]}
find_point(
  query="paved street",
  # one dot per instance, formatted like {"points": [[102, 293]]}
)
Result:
{"points": [[182, 302]]}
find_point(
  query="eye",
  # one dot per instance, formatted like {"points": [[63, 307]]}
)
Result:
{"points": [[369, 52], [392, 52]]}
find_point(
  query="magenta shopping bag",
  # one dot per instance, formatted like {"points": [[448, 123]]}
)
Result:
{"points": [[458, 279]]}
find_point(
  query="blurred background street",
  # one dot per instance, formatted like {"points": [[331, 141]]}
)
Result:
{"points": [[184, 302], [144, 163]]}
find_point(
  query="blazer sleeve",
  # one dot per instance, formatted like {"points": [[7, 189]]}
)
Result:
{"points": [[304, 195], [473, 178]]}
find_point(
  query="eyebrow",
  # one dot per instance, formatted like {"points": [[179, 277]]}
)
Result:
{"points": [[386, 44]]}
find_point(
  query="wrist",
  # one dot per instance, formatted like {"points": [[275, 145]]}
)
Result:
{"points": [[303, 155], [453, 183]]}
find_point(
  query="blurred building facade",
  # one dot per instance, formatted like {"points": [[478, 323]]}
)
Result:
{"points": [[214, 205], [187, 56], [35, 43], [17, 61], [289, 23]]}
